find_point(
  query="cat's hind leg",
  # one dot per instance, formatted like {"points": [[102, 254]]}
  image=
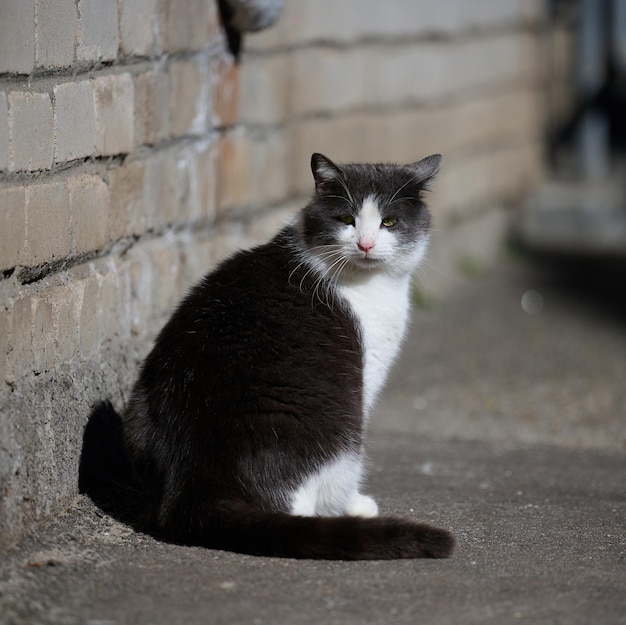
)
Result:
{"points": [[362, 506], [334, 491]]}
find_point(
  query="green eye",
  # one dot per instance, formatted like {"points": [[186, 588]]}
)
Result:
{"points": [[390, 221], [346, 219]]}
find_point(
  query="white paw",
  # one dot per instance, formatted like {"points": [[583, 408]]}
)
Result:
{"points": [[362, 505]]}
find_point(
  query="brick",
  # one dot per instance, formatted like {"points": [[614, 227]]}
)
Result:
{"points": [[494, 176], [12, 226], [138, 26], [225, 92], [89, 328], [114, 114], [187, 183], [266, 225], [142, 278], [161, 190], [65, 301], [4, 132], [152, 94], [126, 212], [98, 38], [89, 210], [20, 357], [44, 333], [17, 37], [321, 80], [189, 97], [4, 341], [48, 234], [206, 177], [197, 181], [189, 25], [266, 89], [233, 170], [338, 21], [110, 311], [269, 178], [75, 121], [31, 130], [57, 29], [55, 328], [167, 290]]}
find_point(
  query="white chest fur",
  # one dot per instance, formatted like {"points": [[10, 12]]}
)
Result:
{"points": [[381, 304]]}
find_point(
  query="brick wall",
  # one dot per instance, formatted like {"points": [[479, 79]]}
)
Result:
{"points": [[134, 155]]}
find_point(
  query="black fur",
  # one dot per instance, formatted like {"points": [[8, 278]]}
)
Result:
{"points": [[252, 385]]}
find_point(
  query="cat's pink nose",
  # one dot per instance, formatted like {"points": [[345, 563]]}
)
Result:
{"points": [[365, 245]]}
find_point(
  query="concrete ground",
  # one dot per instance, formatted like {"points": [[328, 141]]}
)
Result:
{"points": [[505, 421]]}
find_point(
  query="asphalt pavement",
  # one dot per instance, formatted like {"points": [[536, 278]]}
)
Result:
{"points": [[504, 421]]}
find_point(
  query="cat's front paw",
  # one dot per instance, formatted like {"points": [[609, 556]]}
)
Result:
{"points": [[362, 506]]}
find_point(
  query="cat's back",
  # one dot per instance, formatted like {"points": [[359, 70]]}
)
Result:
{"points": [[254, 332]]}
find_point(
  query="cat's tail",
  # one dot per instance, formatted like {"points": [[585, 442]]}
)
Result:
{"points": [[242, 529], [105, 471]]}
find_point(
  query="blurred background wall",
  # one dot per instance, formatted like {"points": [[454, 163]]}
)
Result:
{"points": [[134, 154]]}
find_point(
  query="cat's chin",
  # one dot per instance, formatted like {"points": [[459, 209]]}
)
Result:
{"points": [[368, 262]]}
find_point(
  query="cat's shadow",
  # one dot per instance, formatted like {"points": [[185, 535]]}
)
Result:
{"points": [[105, 472]]}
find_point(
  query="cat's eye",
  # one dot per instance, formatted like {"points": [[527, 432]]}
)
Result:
{"points": [[388, 222], [346, 219]]}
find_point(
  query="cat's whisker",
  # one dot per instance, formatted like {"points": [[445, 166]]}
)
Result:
{"points": [[404, 198], [427, 262], [393, 197], [339, 197], [345, 188]]}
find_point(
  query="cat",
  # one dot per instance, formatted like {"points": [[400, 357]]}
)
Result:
{"points": [[246, 424]]}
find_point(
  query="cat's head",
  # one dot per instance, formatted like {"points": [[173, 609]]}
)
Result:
{"points": [[368, 217]]}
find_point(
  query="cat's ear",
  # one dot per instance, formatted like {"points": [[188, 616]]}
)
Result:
{"points": [[426, 169], [324, 171]]}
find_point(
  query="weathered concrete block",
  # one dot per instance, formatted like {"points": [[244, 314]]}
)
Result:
{"points": [[139, 24], [98, 33], [88, 326], [12, 226], [48, 234], [339, 21], [31, 131], [114, 113], [65, 300], [206, 159], [141, 278], [495, 176], [17, 37], [152, 101], [111, 311], [233, 170], [167, 290], [269, 177], [266, 88], [226, 92], [57, 30], [189, 97], [74, 120], [194, 28], [20, 357], [161, 190], [126, 208], [4, 345], [44, 331], [89, 210], [197, 181], [4, 132]]}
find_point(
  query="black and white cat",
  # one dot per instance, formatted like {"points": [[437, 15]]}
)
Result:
{"points": [[246, 424]]}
